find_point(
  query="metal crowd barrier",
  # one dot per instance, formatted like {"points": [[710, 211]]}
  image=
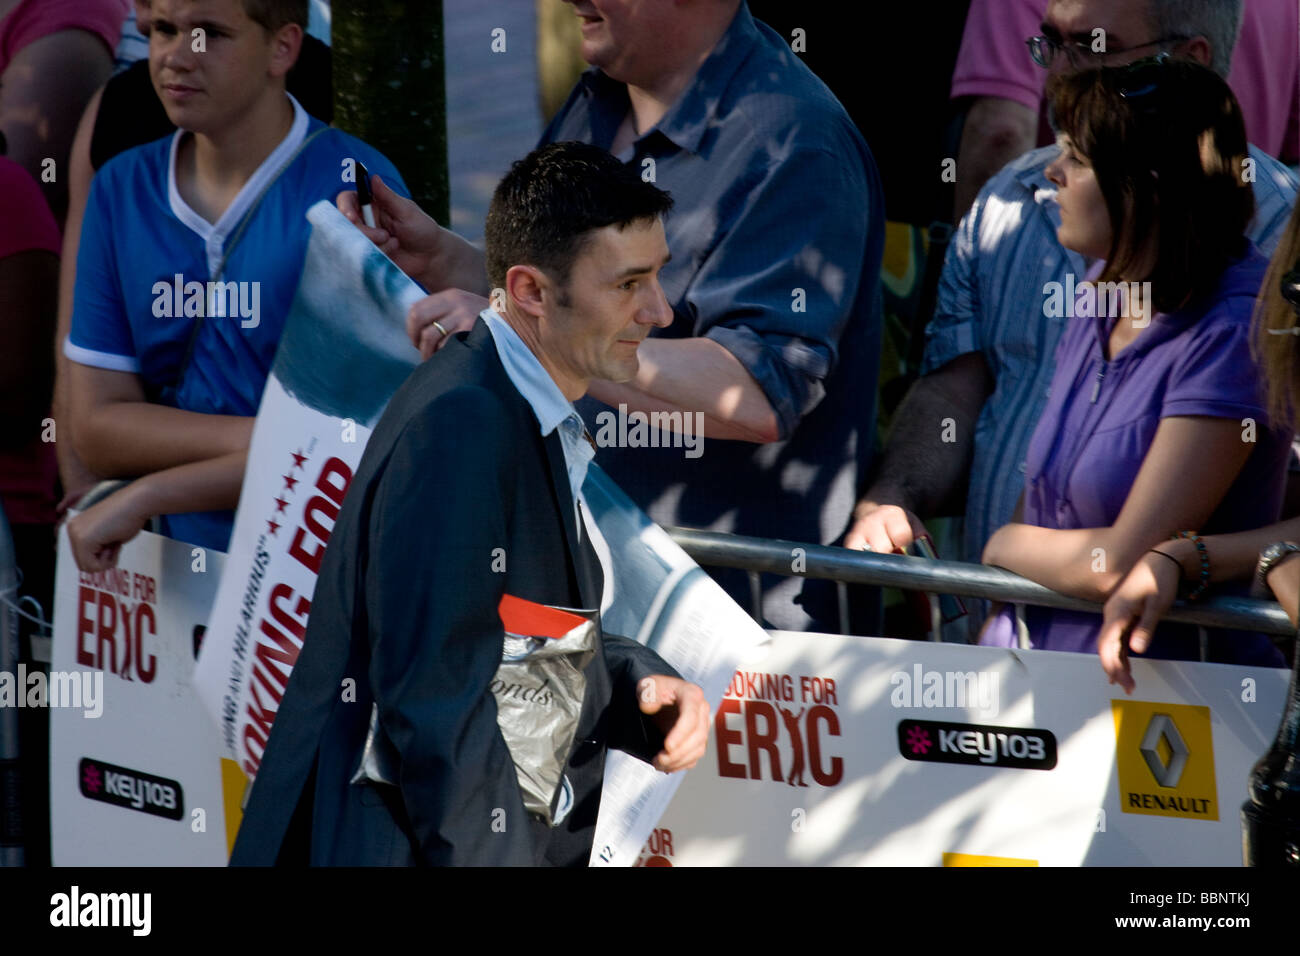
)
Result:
{"points": [[757, 555]]}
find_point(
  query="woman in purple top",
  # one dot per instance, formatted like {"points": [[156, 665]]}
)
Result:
{"points": [[1155, 423]]}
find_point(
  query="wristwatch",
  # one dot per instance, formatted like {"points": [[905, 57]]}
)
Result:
{"points": [[1269, 558]]}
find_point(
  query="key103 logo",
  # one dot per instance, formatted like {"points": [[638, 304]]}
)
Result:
{"points": [[132, 789], [978, 744]]}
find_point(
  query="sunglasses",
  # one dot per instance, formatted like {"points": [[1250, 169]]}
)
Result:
{"points": [[1142, 80]]}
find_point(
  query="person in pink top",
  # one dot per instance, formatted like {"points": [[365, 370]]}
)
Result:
{"points": [[53, 55], [997, 71]]}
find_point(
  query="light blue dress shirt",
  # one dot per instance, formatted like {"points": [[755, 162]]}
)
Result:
{"points": [[550, 406]]}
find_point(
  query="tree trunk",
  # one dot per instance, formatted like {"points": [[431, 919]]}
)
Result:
{"points": [[390, 89]]}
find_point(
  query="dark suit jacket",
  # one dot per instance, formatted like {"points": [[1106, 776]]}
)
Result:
{"points": [[407, 606]]}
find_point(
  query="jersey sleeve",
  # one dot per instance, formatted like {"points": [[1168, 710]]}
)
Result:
{"points": [[100, 335]]}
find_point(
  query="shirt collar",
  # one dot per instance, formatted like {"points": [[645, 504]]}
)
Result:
{"points": [[528, 375], [264, 173], [686, 120], [1032, 174]]}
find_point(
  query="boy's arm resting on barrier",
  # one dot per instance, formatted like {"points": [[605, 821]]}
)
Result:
{"points": [[919, 470], [119, 434], [98, 533], [1164, 499]]}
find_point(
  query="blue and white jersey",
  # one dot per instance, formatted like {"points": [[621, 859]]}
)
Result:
{"points": [[149, 265]]}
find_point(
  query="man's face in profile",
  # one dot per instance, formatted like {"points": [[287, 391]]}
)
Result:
{"points": [[591, 327], [1127, 25]]}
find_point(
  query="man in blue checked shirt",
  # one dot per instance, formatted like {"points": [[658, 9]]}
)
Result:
{"points": [[776, 239]]}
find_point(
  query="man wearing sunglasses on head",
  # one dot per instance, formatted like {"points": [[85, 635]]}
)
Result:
{"points": [[1001, 84], [991, 344]]}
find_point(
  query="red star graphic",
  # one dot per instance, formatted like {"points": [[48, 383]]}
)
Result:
{"points": [[298, 459], [272, 526], [289, 481], [280, 505]]}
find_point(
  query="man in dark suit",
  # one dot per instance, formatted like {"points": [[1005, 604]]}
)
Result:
{"points": [[466, 494]]}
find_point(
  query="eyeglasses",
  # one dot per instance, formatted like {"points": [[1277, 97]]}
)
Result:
{"points": [[1043, 49]]}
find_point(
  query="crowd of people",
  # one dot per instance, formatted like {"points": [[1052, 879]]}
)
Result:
{"points": [[1108, 379]]}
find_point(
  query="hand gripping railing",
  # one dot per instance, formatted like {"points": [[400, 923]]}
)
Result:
{"points": [[945, 577]]}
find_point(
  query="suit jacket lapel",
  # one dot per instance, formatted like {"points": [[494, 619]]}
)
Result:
{"points": [[580, 554], [582, 558]]}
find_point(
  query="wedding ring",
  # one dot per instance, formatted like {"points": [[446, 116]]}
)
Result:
{"points": [[438, 325]]}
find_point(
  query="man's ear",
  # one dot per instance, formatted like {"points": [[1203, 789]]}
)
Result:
{"points": [[527, 287], [1198, 48], [286, 43]]}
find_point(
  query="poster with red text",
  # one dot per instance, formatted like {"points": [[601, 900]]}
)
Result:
{"points": [[136, 777]]}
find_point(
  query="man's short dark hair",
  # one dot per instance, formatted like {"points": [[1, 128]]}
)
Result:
{"points": [[545, 208], [273, 14], [1168, 145]]}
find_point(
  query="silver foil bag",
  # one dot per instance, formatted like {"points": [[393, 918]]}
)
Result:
{"points": [[539, 690]]}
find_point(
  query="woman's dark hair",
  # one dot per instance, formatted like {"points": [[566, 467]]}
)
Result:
{"points": [[544, 208], [1167, 142]]}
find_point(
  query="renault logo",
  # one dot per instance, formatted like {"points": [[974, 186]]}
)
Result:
{"points": [[1166, 771]]}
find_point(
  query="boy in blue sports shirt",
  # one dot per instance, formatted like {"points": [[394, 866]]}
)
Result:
{"points": [[190, 255]]}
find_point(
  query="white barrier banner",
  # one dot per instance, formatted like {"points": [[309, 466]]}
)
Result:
{"points": [[655, 594], [135, 772], [849, 751]]}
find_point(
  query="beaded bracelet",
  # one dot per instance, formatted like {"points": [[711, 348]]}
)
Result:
{"points": [[1204, 583]]}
